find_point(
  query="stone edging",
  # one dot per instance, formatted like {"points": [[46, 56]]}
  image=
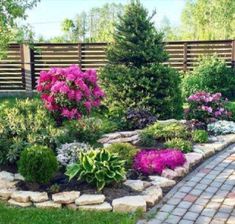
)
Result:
{"points": [[150, 192]]}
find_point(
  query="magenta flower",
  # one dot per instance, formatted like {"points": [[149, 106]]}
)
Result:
{"points": [[154, 161], [69, 91]]}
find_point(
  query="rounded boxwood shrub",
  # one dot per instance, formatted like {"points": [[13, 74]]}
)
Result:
{"points": [[179, 143], [126, 151], [200, 136], [38, 164], [211, 75]]}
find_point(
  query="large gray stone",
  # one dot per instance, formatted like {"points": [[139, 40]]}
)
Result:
{"points": [[129, 204], [90, 199], [18, 176], [162, 181], [104, 207], [4, 175], [38, 196], [193, 158], [19, 204], [136, 185], [65, 197], [21, 196], [47, 204], [170, 174], [152, 195], [5, 194], [4, 184]]}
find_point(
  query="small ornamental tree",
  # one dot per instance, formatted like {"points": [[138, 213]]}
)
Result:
{"points": [[135, 76], [68, 92]]}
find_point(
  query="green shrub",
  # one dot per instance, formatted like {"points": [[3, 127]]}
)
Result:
{"points": [[211, 75], [38, 164], [230, 106], [4, 148], [88, 129], [98, 167], [27, 123], [126, 152], [134, 76], [179, 143], [147, 137], [164, 131], [200, 136]]}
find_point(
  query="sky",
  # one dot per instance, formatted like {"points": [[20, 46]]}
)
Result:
{"points": [[47, 16]]}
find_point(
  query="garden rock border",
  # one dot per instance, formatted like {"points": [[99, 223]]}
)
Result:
{"points": [[150, 192]]}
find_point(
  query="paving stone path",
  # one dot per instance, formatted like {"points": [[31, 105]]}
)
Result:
{"points": [[207, 195]]}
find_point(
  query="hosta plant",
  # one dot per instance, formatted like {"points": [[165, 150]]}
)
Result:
{"points": [[154, 161], [98, 167], [68, 153], [206, 107], [221, 127], [69, 92]]}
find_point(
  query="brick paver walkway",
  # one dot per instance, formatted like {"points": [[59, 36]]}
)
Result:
{"points": [[205, 196]]}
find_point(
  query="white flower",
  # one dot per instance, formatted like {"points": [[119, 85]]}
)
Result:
{"points": [[68, 152], [221, 127]]}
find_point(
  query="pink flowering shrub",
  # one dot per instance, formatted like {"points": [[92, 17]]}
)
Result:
{"points": [[154, 161], [69, 92], [206, 107]]}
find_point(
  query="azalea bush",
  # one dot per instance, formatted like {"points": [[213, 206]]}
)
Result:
{"points": [[221, 127], [206, 107], [68, 92], [154, 161]]}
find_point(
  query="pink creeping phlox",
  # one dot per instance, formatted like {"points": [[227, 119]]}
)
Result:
{"points": [[154, 161], [69, 91]]}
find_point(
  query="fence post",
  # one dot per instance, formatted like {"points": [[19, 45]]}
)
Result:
{"points": [[80, 55], [185, 67], [233, 54], [27, 71]]}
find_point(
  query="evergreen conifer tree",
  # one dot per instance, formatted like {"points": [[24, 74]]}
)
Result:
{"points": [[135, 76]]}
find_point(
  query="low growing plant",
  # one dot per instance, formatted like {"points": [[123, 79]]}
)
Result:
{"points": [[164, 131], [154, 161], [37, 164], [126, 152], [98, 167], [200, 136], [221, 127], [68, 153], [179, 143], [147, 137]]}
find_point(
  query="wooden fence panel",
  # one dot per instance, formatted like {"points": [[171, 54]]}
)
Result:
{"points": [[20, 70], [11, 70]]}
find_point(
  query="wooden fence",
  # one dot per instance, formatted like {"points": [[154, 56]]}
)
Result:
{"points": [[20, 70]]}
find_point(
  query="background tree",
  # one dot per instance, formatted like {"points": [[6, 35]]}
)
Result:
{"points": [[208, 20], [10, 11], [135, 76], [96, 25]]}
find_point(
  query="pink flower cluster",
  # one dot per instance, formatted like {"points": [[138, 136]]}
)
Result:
{"points": [[206, 107], [154, 161], [69, 91]]}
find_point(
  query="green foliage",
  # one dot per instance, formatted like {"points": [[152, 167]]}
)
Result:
{"points": [[26, 123], [211, 75], [125, 151], [98, 167], [165, 131], [179, 143], [134, 76], [230, 106], [208, 20], [37, 164], [89, 129], [10, 12], [4, 147], [147, 137], [200, 136]]}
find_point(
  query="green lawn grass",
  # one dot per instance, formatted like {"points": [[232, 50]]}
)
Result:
{"points": [[12, 215]]}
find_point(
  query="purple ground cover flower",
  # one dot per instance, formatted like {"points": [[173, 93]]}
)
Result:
{"points": [[154, 161]]}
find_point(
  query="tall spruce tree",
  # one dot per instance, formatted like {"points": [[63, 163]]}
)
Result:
{"points": [[135, 76]]}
